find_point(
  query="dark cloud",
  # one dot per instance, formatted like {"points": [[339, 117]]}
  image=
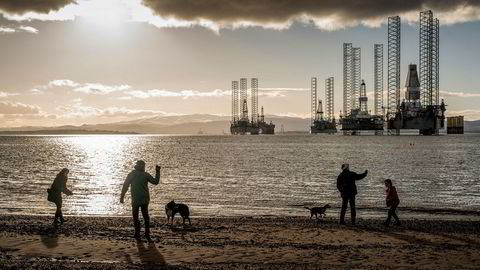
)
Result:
{"points": [[39, 6], [280, 11]]}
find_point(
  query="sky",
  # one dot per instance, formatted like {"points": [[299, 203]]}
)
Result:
{"points": [[98, 61]]}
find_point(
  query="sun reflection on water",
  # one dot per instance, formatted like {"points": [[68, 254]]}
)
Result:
{"points": [[98, 170]]}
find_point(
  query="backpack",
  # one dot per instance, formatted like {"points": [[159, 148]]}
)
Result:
{"points": [[50, 197]]}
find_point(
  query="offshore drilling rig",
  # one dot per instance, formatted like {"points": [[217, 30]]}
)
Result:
{"points": [[356, 117], [241, 124], [319, 123], [420, 109]]}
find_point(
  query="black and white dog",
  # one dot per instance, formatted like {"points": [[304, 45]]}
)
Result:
{"points": [[172, 208]]}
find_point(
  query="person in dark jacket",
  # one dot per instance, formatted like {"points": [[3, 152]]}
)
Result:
{"points": [[138, 179], [348, 190], [392, 201], [55, 193]]}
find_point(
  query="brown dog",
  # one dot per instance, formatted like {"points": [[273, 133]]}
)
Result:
{"points": [[318, 211]]}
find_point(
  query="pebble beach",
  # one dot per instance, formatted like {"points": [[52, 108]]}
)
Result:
{"points": [[33, 242]]}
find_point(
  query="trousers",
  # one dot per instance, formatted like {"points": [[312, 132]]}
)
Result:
{"points": [[146, 218], [345, 201]]}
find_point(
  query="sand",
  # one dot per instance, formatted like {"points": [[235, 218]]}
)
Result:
{"points": [[237, 243]]}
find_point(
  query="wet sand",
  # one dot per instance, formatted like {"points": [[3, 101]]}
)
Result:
{"points": [[237, 243]]}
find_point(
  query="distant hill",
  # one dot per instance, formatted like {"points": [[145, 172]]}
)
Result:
{"points": [[472, 126], [193, 124], [62, 132], [184, 124]]}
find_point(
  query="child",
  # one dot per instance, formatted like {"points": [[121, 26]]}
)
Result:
{"points": [[392, 202]]}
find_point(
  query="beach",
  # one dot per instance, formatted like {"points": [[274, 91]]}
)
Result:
{"points": [[29, 241]]}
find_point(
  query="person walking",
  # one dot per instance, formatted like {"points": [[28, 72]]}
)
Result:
{"points": [[59, 185], [392, 201], [348, 190], [138, 179]]}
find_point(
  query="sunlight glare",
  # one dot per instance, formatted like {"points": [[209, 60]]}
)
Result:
{"points": [[109, 13], [98, 169]]}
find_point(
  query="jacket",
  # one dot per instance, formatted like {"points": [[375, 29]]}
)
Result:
{"points": [[346, 182], [392, 196], [59, 185], [138, 180]]}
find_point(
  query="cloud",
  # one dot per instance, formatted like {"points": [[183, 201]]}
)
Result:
{"points": [[28, 29], [279, 91], [38, 6], [21, 28], [233, 14], [184, 93], [5, 94], [284, 89], [99, 11], [266, 92], [103, 89], [63, 82], [41, 89], [144, 94], [291, 114], [7, 107], [86, 88], [327, 15], [100, 89], [6, 30], [458, 94], [77, 110], [469, 114], [35, 91]]}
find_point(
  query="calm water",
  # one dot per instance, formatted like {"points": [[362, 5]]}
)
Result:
{"points": [[241, 175]]}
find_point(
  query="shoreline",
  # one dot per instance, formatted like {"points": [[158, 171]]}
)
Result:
{"points": [[237, 243], [417, 213]]}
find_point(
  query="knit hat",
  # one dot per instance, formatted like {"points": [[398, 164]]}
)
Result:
{"points": [[140, 165]]}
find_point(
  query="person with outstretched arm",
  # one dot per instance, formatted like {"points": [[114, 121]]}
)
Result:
{"points": [[58, 187], [138, 179], [348, 190]]}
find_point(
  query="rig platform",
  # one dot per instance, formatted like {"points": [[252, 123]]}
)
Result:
{"points": [[323, 126], [360, 119], [412, 114], [241, 124]]}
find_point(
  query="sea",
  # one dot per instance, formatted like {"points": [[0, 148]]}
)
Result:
{"points": [[250, 176]]}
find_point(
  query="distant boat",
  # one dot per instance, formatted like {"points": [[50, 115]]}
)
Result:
{"points": [[200, 132]]}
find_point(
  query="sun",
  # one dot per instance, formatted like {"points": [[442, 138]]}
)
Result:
{"points": [[108, 13]]}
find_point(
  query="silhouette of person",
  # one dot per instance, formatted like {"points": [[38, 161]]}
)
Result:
{"points": [[138, 179], [59, 185], [392, 201], [348, 190]]}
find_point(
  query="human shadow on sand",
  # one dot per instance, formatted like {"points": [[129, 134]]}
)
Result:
{"points": [[149, 254], [49, 237]]}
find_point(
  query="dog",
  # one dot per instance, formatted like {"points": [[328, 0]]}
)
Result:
{"points": [[318, 211], [172, 208]]}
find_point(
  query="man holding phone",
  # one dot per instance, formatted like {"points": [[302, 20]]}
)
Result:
{"points": [[138, 179]]}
